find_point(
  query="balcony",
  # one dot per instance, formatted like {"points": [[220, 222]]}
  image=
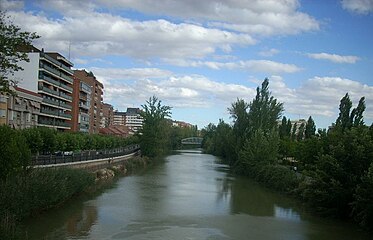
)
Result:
{"points": [[67, 78], [64, 105], [70, 89], [83, 96], [49, 101], [83, 128], [65, 115], [85, 106], [49, 112], [49, 80], [56, 83], [53, 123], [56, 72], [48, 90], [55, 62], [66, 96], [85, 88]]}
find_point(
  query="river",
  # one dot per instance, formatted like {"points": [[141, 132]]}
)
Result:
{"points": [[188, 195]]}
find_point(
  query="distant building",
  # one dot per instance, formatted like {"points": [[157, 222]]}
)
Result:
{"points": [[108, 115], [20, 111], [181, 124], [119, 118], [48, 74], [94, 102], [133, 119]]}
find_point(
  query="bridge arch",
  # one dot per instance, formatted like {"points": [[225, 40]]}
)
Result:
{"points": [[192, 141]]}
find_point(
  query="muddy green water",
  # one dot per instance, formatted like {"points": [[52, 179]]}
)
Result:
{"points": [[189, 195]]}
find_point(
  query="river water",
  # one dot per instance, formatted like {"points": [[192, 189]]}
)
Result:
{"points": [[189, 195]]}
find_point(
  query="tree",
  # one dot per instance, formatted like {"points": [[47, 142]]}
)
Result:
{"points": [[261, 146], [15, 154], [238, 111], [344, 120], [11, 39], [264, 111], [154, 137], [310, 128], [357, 118]]}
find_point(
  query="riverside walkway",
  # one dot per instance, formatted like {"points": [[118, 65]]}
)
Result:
{"points": [[86, 159]]}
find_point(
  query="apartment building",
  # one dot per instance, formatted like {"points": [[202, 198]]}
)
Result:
{"points": [[119, 118], [81, 106], [107, 115], [24, 109], [48, 74], [133, 119], [93, 102]]}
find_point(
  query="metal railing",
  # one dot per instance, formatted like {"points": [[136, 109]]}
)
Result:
{"points": [[66, 157]]}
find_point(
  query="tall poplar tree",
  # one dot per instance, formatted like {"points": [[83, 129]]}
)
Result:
{"points": [[310, 128], [154, 133]]}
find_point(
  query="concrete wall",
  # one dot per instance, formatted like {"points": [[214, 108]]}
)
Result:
{"points": [[28, 78]]}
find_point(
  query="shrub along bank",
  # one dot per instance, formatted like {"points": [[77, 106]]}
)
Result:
{"points": [[22, 196]]}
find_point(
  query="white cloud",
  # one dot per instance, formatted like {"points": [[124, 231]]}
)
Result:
{"points": [[99, 34], [177, 91], [6, 5], [320, 96], [334, 57], [263, 66], [269, 53], [130, 73], [262, 17], [358, 6]]}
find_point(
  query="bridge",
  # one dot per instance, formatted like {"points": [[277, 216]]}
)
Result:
{"points": [[192, 141]]}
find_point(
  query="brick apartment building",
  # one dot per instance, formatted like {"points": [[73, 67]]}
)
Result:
{"points": [[87, 104]]}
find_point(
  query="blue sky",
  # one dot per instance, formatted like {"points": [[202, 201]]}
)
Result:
{"points": [[200, 56]]}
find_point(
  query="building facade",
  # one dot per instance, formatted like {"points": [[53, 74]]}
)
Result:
{"points": [[81, 106], [119, 118], [20, 111], [93, 102], [133, 119], [49, 74], [107, 115]]}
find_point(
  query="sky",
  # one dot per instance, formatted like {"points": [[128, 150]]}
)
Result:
{"points": [[199, 56]]}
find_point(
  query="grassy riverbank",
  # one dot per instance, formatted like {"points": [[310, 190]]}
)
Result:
{"points": [[28, 194], [25, 195]]}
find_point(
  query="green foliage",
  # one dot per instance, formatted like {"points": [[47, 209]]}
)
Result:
{"points": [[310, 130], [260, 149], [335, 166], [11, 38], [33, 139], [264, 111], [155, 132], [15, 154], [22, 196], [363, 200]]}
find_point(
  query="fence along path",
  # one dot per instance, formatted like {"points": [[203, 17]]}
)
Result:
{"points": [[86, 156]]}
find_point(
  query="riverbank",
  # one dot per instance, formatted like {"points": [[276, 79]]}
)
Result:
{"points": [[27, 194]]}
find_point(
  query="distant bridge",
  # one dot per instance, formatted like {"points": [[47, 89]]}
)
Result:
{"points": [[192, 141]]}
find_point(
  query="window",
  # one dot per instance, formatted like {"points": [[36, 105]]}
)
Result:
{"points": [[2, 113]]}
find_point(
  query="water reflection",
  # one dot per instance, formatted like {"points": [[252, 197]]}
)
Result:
{"points": [[187, 196], [73, 221]]}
